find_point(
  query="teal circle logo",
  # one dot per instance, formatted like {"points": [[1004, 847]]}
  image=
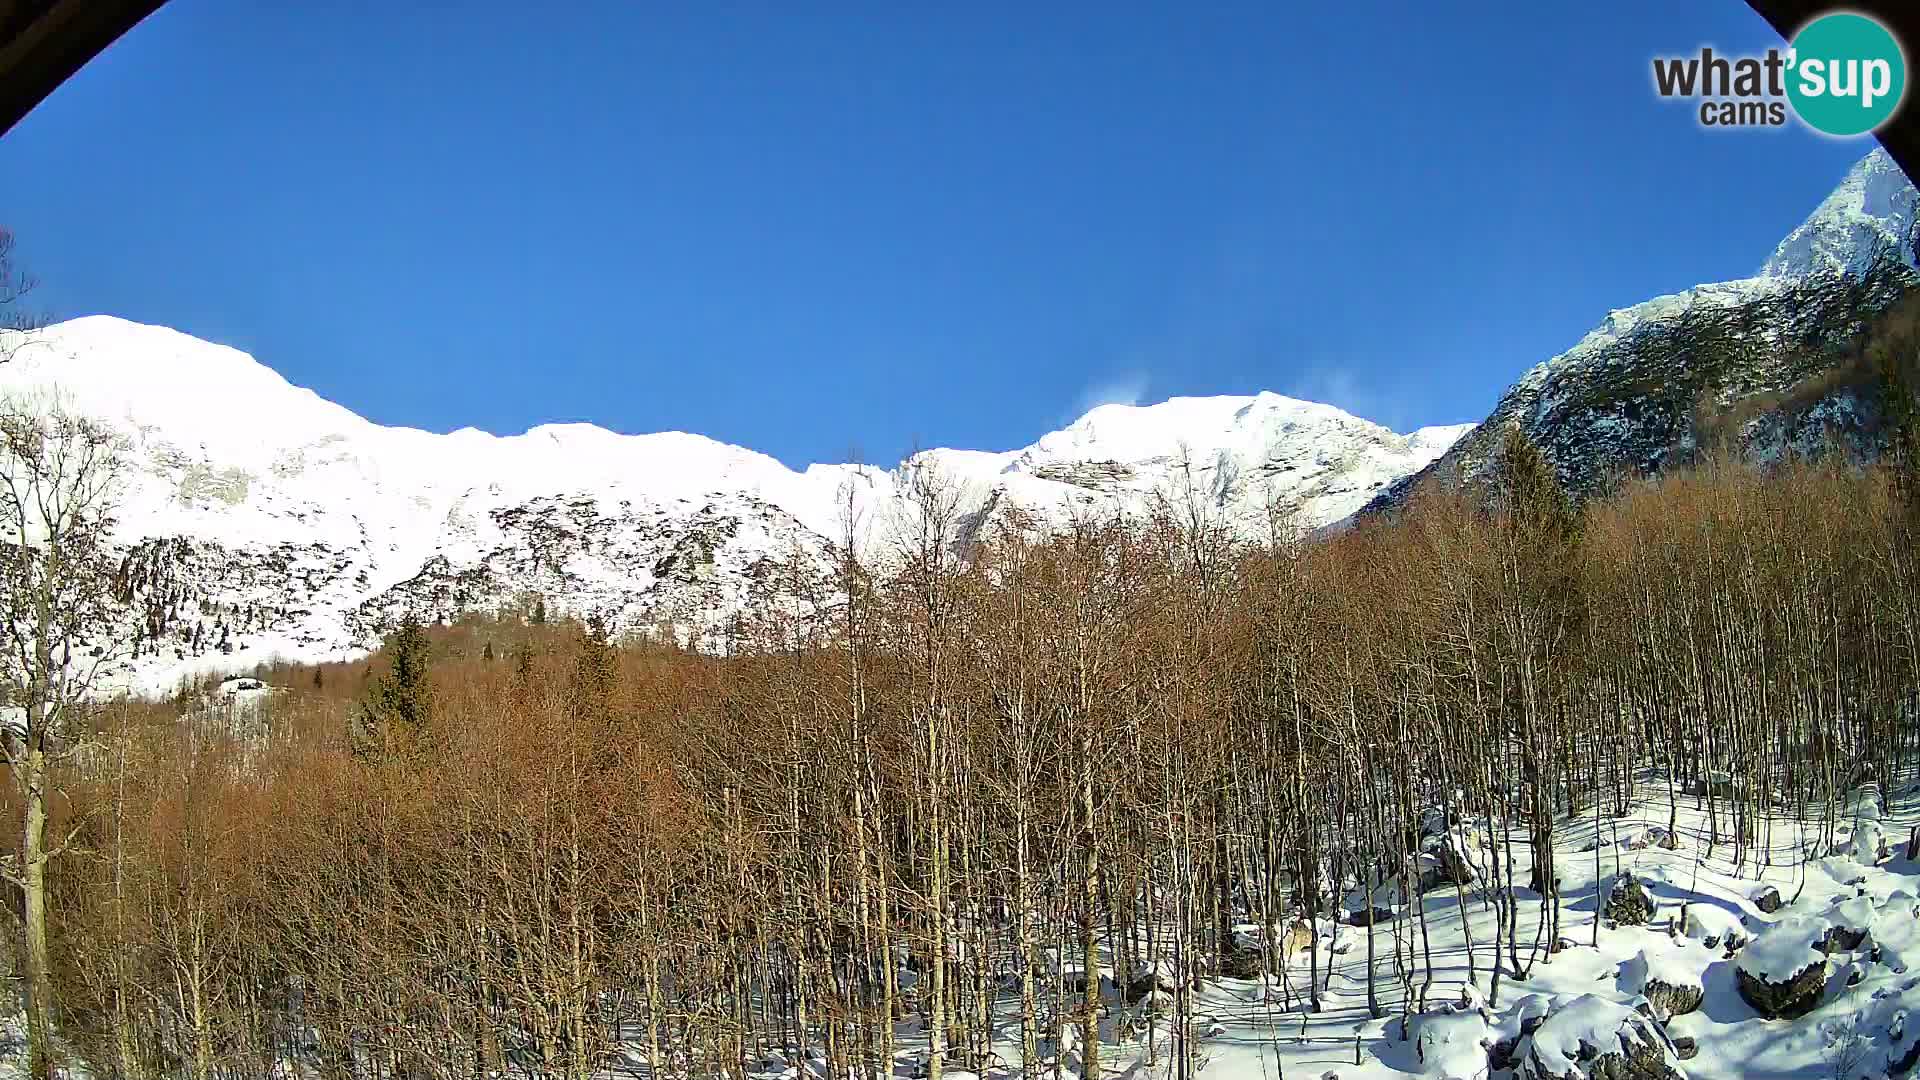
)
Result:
{"points": [[1847, 74]]}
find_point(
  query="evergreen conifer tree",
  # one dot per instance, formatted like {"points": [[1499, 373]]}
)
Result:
{"points": [[400, 704]]}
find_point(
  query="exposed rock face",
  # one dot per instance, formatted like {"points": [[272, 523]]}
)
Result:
{"points": [[1147, 982], [1768, 900], [1370, 916], [1670, 1001], [1792, 997], [1902, 1061]]}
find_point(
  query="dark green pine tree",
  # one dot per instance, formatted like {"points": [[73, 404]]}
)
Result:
{"points": [[1895, 357], [399, 705], [595, 670], [1530, 492], [1544, 527], [523, 666]]}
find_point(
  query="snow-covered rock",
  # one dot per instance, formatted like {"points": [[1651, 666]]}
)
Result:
{"points": [[1866, 843], [1670, 976], [1452, 1043], [1850, 922], [1713, 925], [1629, 901], [1592, 1038], [1441, 863], [1782, 973]]}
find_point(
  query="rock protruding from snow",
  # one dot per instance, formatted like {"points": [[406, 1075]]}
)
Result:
{"points": [[1591, 1038], [1669, 977], [1441, 863], [1653, 837], [1713, 926], [1630, 902], [1452, 1043], [1244, 957], [1782, 973], [1849, 923]]}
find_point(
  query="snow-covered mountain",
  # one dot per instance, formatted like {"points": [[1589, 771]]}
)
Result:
{"points": [[1761, 363], [263, 521]]}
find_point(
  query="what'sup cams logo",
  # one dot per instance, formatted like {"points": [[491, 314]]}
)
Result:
{"points": [[1843, 74]]}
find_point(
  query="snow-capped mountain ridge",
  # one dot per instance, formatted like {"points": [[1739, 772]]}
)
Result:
{"points": [[1632, 394], [1871, 212], [304, 529]]}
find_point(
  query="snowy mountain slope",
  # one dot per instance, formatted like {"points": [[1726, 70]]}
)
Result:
{"points": [[1752, 361], [261, 520]]}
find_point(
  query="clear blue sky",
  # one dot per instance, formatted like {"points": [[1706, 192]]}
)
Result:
{"points": [[886, 225]]}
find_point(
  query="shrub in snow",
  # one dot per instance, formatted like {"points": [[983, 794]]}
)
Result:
{"points": [[1783, 972], [1629, 903], [1591, 1038], [1669, 977]]}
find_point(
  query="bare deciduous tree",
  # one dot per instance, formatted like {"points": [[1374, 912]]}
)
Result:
{"points": [[58, 479]]}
